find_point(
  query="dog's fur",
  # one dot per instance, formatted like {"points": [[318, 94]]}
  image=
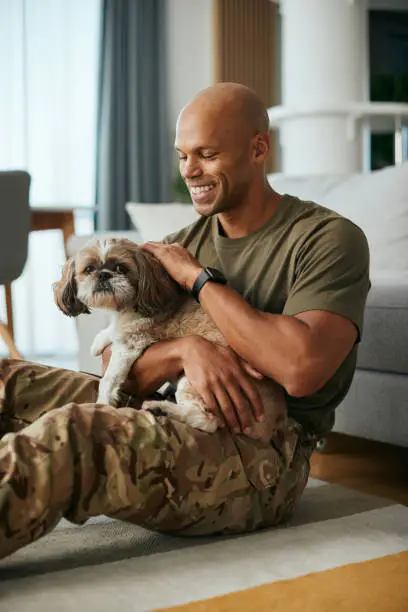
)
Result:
{"points": [[118, 275]]}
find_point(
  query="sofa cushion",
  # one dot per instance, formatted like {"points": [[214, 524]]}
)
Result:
{"points": [[155, 221], [375, 408], [385, 335], [376, 201]]}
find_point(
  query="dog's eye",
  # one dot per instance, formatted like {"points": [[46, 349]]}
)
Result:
{"points": [[121, 269], [89, 269]]}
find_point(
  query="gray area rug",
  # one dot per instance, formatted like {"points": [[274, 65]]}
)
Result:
{"points": [[91, 566]]}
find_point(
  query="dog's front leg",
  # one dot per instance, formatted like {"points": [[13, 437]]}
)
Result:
{"points": [[102, 340], [122, 359]]}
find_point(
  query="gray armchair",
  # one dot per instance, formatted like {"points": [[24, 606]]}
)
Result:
{"points": [[14, 230]]}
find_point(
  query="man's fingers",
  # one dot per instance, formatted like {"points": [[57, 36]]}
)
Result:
{"points": [[150, 246], [106, 355], [210, 402], [225, 406], [251, 370], [254, 399], [160, 246], [242, 408]]}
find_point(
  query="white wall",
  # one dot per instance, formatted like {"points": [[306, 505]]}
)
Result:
{"points": [[190, 44]]}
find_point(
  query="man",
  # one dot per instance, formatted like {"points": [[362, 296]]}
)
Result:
{"points": [[292, 310]]}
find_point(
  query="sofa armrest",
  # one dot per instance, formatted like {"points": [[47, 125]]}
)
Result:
{"points": [[385, 333]]}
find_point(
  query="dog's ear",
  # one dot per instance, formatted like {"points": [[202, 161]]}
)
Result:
{"points": [[157, 292], [66, 292]]}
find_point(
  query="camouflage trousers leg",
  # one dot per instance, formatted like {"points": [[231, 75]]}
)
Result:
{"points": [[61, 455]]}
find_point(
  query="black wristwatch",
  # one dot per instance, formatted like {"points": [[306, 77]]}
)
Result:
{"points": [[208, 274]]}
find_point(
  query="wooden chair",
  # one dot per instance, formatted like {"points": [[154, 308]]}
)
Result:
{"points": [[14, 230]]}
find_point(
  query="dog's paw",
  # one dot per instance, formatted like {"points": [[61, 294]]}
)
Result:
{"points": [[192, 408], [203, 420], [190, 413], [101, 341], [107, 396], [155, 407]]}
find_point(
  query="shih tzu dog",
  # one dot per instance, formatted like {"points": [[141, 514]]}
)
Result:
{"points": [[148, 305]]}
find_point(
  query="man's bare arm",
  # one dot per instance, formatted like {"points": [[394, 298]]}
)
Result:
{"points": [[160, 363], [209, 368], [300, 352]]}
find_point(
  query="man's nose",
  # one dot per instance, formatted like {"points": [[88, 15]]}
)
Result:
{"points": [[191, 168], [104, 275]]}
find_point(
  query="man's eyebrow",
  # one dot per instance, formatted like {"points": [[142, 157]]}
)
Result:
{"points": [[198, 149]]}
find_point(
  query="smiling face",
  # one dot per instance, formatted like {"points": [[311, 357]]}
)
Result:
{"points": [[218, 139]]}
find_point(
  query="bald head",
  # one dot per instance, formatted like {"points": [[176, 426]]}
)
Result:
{"points": [[222, 141], [230, 106]]}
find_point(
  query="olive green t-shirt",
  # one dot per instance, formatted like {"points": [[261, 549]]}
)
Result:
{"points": [[306, 257]]}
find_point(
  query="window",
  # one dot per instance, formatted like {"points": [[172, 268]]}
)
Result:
{"points": [[48, 106], [388, 77]]}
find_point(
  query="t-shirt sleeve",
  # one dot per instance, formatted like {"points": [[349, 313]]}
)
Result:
{"points": [[183, 236], [171, 238], [190, 235], [178, 236], [332, 272]]}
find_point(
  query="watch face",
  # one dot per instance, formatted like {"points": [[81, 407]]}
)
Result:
{"points": [[216, 275]]}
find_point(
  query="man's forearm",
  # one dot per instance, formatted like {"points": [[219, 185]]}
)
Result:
{"points": [[160, 363], [276, 345], [300, 352]]}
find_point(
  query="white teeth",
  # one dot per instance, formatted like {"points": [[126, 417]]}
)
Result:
{"points": [[196, 190]]}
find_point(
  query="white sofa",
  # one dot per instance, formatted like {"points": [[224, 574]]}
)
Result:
{"points": [[376, 405]]}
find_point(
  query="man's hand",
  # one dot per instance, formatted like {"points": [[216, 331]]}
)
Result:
{"points": [[106, 355], [179, 263], [224, 382]]}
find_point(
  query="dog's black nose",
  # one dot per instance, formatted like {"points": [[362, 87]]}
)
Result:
{"points": [[104, 275]]}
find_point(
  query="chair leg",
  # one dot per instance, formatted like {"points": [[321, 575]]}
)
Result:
{"points": [[5, 334], [9, 309], [7, 331]]}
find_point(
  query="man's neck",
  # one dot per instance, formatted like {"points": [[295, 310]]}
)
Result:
{"points": [[251, 216]]}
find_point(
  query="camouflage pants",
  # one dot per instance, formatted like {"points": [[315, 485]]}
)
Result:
{"points": [[62, 455]]}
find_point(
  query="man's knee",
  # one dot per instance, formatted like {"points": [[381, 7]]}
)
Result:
{"points": [[7, 368]]}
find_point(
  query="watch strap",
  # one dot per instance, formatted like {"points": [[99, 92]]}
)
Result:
{"points": [[199, 283], [208, 274]]}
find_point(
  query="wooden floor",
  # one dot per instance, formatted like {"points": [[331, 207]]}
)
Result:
{"points": [[372, 467]]}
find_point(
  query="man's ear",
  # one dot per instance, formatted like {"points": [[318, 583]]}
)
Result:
{"points": [[261, 147], [66, 292]]}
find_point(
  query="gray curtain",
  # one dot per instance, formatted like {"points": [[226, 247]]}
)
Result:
{"points": [[134, 151]]}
